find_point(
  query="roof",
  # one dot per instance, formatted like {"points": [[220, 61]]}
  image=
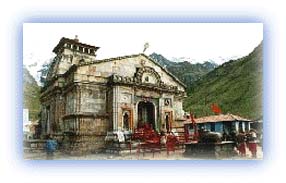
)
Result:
{"points": [[133, 56], [72, 41], [220, 118]]}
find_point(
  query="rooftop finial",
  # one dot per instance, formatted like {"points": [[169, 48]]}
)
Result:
{"points": [[146, 45], [76, 38]]}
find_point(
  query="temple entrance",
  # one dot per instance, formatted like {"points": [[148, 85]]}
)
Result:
{"points": [[146, 114]]}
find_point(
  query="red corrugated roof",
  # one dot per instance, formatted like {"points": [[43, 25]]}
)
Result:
{"points": [[219, 118]]}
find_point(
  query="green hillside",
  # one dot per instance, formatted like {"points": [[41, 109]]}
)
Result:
{"points": [[236, 86], [31, 95]]}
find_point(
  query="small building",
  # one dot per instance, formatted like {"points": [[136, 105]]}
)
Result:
{"points": [[224, 123], [30, 130]]}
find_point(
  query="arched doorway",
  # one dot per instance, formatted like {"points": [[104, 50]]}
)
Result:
{"points": [[146, 113]]}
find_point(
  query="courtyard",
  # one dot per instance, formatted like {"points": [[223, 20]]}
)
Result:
{"points": [[126, 155]]}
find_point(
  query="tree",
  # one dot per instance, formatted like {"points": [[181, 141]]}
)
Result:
{"points": [[44, 71]]}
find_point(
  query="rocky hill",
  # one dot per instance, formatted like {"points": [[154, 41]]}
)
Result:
{"points": [[31, 95]]}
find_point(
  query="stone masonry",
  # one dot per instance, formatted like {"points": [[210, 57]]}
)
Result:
{"points": [[84, 98]]}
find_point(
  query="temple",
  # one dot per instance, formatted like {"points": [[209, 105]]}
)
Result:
{"points": [[84, 98]]}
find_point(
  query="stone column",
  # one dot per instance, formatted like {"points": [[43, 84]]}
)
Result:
{"points": [[135, 124], [48, 120], [57, 112], [161, 114], [78, 107], [78, 99], [157, 127], [134, 110], [115, 107]]}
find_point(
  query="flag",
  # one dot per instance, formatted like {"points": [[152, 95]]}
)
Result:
{"points": [[215, 108]]}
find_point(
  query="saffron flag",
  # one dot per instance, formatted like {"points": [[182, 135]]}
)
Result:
{"points": [[215, 108]]}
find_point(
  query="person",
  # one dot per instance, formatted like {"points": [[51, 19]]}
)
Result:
{"points": [[202, 131], [224, 136], [252, 143], [171, 142], [51, 145], [241, 145], [233, 135], [120, 136], [163, 139], [261, 141], [174, 132], [163, 130]]}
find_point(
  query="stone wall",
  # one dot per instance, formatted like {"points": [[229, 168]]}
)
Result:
{"points": [[83, 104], [88, 137], [127, 67], [93, 99], [178, 109]]}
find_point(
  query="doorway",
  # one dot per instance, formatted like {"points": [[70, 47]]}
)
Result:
{"points": [[146, 114]]}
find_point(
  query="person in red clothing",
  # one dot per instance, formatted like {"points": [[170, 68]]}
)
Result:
{"points": [[171, 142], [241, 144], [252, 143]]}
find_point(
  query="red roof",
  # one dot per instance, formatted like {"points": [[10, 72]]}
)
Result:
{"points": [[220, 118]]}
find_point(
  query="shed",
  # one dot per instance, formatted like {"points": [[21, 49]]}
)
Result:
{"points": [[223, 123]]}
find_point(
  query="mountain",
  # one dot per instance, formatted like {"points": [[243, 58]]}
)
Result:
{"points": [[187, 72], [31, 95], [162, 60], [235, 86]]}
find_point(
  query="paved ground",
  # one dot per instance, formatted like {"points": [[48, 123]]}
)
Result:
{"points": [[178, 155]]}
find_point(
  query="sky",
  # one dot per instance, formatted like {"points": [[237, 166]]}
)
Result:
{"points": [[195, 42]]}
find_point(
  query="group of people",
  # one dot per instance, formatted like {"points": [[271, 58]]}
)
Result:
{"points": [[243, 141], [247, 140], [168, 135]]}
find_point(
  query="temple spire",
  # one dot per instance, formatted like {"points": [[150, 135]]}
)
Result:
{"points": [[76, 38]]}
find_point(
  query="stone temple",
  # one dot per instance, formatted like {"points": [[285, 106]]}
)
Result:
{"points": [[84, 98]]}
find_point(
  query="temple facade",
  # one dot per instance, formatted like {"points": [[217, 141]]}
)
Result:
{"points": [[84, 98]]}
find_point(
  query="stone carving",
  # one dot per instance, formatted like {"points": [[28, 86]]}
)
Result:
{"points": [[136, 81], [167, 101], [150, 70], [125, 98]]}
